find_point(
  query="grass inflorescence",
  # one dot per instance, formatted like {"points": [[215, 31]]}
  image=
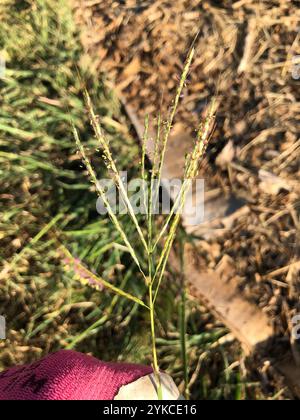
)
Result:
{"points": [[156, 262]]}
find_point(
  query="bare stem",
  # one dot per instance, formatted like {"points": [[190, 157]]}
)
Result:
{"points": [[154, 352]]}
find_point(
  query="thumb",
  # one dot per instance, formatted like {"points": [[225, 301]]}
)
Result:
{"points": [[145, 388]]}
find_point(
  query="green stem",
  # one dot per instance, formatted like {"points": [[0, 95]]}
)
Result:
{"points": [[154, 351], [183, 344]]}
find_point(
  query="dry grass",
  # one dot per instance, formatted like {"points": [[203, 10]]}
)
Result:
{"points": [[43, 184], [245, 52]]}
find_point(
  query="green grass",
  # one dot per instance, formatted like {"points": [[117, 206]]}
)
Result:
{"points": [[46, 198], [42, 176]]}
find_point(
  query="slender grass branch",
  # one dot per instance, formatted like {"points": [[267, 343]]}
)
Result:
{"points": [[143, 164], [170, 120], [111, 165], [102, 194]]}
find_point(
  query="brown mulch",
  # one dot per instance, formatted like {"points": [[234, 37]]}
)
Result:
{"points": [[245, 55]]}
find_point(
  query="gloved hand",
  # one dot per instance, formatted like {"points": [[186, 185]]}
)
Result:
{"points": [[68, 375]]}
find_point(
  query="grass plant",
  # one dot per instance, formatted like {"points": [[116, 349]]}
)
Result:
{"points": [[156, 262]]}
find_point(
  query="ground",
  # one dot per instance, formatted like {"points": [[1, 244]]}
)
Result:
{"points": [[134, 51]]}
